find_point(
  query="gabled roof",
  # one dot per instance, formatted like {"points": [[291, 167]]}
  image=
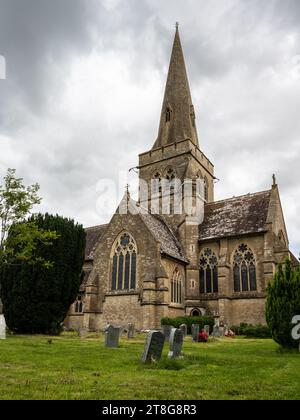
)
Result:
{"points": [[163, 234], [235, 216], [93, 236]]}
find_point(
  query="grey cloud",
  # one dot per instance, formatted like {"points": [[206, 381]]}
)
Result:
{"points": [[248, 124]]}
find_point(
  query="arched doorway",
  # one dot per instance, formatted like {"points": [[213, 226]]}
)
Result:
{"points": [[196, 312]]}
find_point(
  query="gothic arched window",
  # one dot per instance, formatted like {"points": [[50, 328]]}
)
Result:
{"points": [[244, 270], [208, 272], [78, 305], [176, 287], [124, 263]]}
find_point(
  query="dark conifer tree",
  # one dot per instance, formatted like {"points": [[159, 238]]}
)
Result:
{"points": [[283, 303], [36, 298]]}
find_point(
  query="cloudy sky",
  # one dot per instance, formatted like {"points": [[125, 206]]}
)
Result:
{"points": [[85, 81]]}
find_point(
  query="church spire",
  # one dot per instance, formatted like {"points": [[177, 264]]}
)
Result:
{"points": [[177, 117]]}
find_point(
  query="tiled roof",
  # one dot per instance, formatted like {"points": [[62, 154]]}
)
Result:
{"points": [[235, 216], [93, 235], [165, 236]]}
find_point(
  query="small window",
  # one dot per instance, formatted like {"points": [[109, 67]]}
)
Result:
{"points": [[78, 305], [168, 115]]}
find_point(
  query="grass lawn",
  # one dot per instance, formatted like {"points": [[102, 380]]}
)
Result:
{"points": [[74, 368]]}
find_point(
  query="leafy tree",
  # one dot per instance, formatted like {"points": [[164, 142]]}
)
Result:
{"points": [[283, 303], [16, 204], [36, 298]]}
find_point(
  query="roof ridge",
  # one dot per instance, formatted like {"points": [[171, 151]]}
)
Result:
{"points": [[96, 226], [239, 196]]}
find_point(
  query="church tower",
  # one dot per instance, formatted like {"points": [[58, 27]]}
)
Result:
{"points": [[175, 154]]}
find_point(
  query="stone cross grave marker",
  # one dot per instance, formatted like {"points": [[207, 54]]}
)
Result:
{"points": [[176, 341], [130, 331], [2, 328], [153, 346], [167, 331], [195, 332], [112, 335], [183, 328]]}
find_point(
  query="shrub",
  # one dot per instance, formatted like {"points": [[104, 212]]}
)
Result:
{"points": [[200, 320], [252, 331], [283, 303]]}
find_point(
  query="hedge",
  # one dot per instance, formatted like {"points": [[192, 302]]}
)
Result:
{"points": [[252, 331]]}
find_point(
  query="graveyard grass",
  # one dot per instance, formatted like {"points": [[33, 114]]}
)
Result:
{"points": [[69, 367]]}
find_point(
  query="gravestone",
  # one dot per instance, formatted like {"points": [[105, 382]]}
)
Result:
{"points": [[82, 332], [176, 341], [206, 329], [166, 329], [216, 331], [183, 329], [195, 332], [222, 331], [2, 328], [153, 346], [130, 331], [112, 335]]}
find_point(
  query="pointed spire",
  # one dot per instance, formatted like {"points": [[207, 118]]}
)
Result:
{"points": [[177, 116]]}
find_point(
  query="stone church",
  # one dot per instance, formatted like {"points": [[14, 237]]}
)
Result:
{"points": [[143, 266]]}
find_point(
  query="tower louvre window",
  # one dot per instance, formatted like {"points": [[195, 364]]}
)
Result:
{"points": [[208, 272], [244, 270], [124, 264]]}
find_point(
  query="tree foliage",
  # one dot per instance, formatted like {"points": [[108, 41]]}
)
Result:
{"points": [[283, 303], [16, 204], [36, 298]]}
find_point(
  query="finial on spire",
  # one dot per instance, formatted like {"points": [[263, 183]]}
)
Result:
{"points": [[177, 26], [274, 181]]}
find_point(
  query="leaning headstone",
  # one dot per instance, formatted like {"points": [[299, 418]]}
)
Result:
{"points": [[216, 331], [2, 328], [112, 335], [183, 329], [130, 331], [206, 329], [153, 347], [166, 329], [195, 332], [176, 340]]}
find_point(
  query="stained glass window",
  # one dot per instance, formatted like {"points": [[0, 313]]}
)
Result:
{"points": [[244, 270], [124, 264], [208, 272]]}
